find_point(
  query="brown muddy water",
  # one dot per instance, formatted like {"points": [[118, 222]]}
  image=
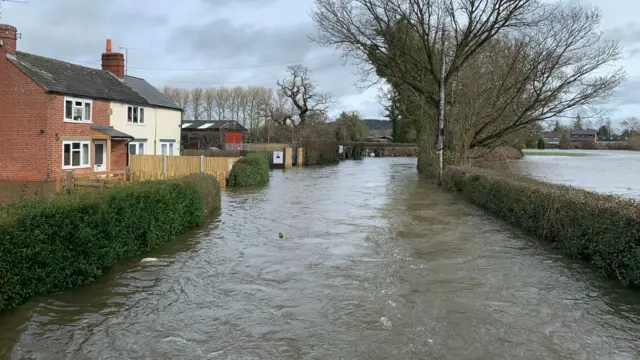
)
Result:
{"points": [[374, 264]]}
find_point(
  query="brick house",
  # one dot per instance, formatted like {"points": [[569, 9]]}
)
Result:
{"points": [[589, 136], [56, 115]]}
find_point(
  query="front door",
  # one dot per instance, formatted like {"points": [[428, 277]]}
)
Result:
{"points": [[100, 156]]}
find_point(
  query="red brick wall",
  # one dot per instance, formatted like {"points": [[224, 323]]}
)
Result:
{"points": [[25, 109], [23, 113], [58, 127], [119, 155]]}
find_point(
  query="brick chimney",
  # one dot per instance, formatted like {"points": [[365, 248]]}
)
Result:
{"points": [[8, 39], [113, 62]]}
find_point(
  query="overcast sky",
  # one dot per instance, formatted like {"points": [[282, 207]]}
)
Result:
{"points": [[200, 43]]}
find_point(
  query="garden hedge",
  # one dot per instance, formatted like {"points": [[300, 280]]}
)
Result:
{"points": [[49, 245], [602, 229], [252, 170]]}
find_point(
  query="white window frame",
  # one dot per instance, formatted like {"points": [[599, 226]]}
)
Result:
{"points": [[170, 147], [82, 163], [138, 145], [86, 113], [137, 115]]}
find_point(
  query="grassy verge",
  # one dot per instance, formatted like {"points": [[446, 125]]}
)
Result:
{"points": [[602, 229], [49, 245], [554, 153], [252, 170]]}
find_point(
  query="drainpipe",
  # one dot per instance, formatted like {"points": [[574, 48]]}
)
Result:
{"points": [[155, 135]]}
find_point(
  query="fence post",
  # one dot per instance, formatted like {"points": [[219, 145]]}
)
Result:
{"points": [[69, 181], [201, 163]]}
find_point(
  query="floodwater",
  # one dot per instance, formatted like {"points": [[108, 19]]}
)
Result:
{"points": [[374, 264], [607, 171]]}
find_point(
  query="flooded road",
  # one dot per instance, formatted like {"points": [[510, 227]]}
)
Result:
{"points": [[374, 264], [607, 171]]}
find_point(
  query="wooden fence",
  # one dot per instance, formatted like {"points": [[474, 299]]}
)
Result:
{"points": [[68, 180], [214, 153], [265, 147], [155, 167]]}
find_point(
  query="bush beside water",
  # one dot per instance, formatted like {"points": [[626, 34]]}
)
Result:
{"points": [[252, 170], [49, 245], [602, 229]]}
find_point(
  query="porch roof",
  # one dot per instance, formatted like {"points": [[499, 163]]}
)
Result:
{"points": [[111, 133]]}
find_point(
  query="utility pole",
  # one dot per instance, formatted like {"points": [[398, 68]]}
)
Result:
{"points": [[441, 104], [126, 57]]}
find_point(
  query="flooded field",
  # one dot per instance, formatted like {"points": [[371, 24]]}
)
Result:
{"points": [[606, 171], [373, 264]]}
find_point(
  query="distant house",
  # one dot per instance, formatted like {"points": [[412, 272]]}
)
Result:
{"points": [[205, 134], [584, 136], [57, 116], [551, 138]]}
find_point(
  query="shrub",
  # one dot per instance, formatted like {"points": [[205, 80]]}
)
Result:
{"points": [[541, 144], [320, 151], [252, 170], [49, 245], [602, 229]]}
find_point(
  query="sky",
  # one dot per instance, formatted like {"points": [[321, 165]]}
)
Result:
{"points": [[215, 43]]}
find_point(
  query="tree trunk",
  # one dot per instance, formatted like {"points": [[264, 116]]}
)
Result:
{"points": [[441, 104]]}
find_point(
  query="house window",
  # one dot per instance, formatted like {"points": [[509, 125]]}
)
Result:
{"points": [[75, 154], [77, 110], [135, 115], [166, 148], [136, 148]]}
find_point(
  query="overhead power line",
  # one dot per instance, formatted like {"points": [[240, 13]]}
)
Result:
{"points": [[253, 81], [209, 69]]}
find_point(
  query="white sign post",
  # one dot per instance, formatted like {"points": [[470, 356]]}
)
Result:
{"points": [[340, 149], [278, 157]]}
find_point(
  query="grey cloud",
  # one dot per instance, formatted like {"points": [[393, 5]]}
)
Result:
{"points": [[222, 3], [221, 39], [629, 94], [77, 29]]}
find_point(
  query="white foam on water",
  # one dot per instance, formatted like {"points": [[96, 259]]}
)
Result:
{"points": [[385, 322], [149, 260]]}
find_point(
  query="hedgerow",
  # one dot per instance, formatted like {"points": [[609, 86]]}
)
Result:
{"points": [[252, 170], [602, 229], [49, 245]]}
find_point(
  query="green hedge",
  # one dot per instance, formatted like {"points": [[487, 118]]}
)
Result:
{"points": [[49, 245], [602, 229], [252, 170]]}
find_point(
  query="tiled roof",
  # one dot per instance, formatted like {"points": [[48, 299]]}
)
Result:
{"points": [[70, 79], [584, 132], [150, 93], [212, 125]]}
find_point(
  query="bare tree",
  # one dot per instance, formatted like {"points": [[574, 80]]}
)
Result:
{"points": [[302, 92], [197, 103], [552, 58], [222, 97], [210, 103]]}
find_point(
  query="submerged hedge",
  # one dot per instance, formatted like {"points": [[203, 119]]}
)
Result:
{"points": [[252, 170], [49, 245], [602, 229]]}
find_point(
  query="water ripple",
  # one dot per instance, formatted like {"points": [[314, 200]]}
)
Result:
{"points": [[374, 264]]}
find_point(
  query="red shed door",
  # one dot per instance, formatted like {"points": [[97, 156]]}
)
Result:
{"points": [[233, 140]]}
